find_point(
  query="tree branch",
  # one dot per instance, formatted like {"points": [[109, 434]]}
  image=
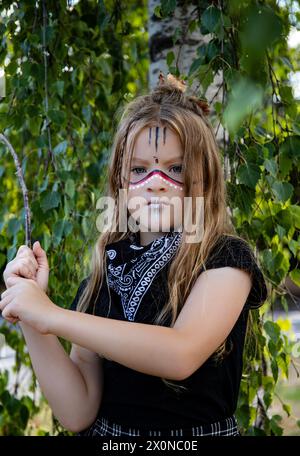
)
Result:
{"points": [[20, 175]]}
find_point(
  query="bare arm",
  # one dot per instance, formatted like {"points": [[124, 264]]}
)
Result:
{"points": [[71, 384], [206, 319]]}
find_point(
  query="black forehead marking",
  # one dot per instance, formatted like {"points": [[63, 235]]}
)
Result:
{"points": [[156, 137], [164, 133], [150, 129]]}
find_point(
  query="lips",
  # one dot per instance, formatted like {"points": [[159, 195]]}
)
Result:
{"points": [[158, 202]]}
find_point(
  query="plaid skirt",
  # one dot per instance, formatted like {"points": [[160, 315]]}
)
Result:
{"points": [[102, 427]]}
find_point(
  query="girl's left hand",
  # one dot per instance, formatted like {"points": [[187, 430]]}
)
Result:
{"points": [[24, 300]]}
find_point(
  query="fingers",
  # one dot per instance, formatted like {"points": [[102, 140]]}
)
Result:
{"points": [[4, 302], [22, 266], [6, 312], [26, 252]]}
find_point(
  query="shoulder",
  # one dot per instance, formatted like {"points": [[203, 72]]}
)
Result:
{"points": [[233, 251], [230, 249]]}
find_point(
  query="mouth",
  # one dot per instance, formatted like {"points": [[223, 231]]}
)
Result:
{"points": [[157, 203]]}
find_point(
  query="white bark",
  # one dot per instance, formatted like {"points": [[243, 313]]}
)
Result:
{"points": [[161, 32]]}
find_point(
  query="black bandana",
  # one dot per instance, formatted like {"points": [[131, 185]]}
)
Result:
{"points": [[132, 268]]}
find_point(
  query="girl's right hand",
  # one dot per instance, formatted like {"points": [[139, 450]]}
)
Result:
{"points": [[30, 264]]}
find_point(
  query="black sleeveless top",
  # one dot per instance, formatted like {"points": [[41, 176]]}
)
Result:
{"points": [[211, 393]]}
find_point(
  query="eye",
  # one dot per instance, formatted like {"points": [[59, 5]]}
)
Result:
{"points": [[133, 170], [178, 168]]}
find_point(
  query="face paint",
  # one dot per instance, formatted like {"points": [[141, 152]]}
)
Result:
{"points": [[161, 175], [157, 136], [167, 178]]}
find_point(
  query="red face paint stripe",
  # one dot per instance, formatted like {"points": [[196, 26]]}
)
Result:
{"points": [[161, 173]]}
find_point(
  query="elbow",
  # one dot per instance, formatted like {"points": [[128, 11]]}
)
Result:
{"points": [[184, 368], [76, 426], [183, 374], [188, 366], [74, 429], [68, 425]]}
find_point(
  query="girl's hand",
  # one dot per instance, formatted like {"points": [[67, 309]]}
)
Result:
{"points": [[24, 300], [31, 264]]}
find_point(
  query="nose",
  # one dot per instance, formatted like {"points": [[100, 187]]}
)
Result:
{"points": [[157, 184]]}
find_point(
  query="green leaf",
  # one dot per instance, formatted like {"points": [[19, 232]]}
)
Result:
{"points": [[294, 246], [268, 396], [195, 65], [283, 190], [274, 425], [157, 11], [13, 226], [60, 148], [249, 174], [70, 188], [287, 409], [244, 98], [58, 87], [211, 19], [290, 147], [273, 330], [286, 93], [87, 114], [285, 165], [50, 200], [170, 58], [58, 230], [280, 231], [56, 116], [274, 368], [295, 213], [271, 166], [295, 276], [168, 7]]}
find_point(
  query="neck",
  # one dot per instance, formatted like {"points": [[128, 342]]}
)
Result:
{"points": [[148, 236]]}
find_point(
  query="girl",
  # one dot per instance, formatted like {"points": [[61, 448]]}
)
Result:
{"points": [[158, 326]]}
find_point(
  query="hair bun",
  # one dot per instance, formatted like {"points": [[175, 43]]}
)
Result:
{"points": [[202, 104], [180, 84]]}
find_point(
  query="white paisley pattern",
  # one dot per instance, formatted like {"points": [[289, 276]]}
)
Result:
{"points": [[132, 279], [111, 254]]}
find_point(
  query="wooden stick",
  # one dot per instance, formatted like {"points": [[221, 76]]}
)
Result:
{"points": [[20, 175]]}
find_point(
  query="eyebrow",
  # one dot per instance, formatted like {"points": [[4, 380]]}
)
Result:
{"points": [[141, 160]]}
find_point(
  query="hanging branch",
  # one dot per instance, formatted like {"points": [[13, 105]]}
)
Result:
{"points": [[44, 47], [20, 175]]}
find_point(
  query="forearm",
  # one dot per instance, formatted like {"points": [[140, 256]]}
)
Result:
{"points": [[59, 378], [150, 349]]}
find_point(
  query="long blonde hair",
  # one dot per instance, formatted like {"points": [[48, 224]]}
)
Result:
{"points": [[169, 106]]}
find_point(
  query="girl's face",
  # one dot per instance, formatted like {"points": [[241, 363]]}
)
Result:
{"points": [[156, 175]]}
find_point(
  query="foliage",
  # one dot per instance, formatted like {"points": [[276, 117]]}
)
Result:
{"points": [[60, 118], [261, 116]]}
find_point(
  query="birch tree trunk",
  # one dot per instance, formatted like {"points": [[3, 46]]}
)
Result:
{"points": [[161, 32]]}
